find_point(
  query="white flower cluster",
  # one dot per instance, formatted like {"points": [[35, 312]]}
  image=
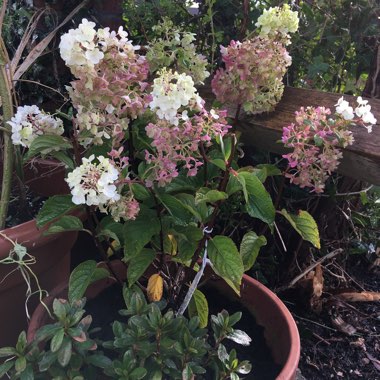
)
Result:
{"points": [[278, 20], [171, 91], [84, 47], [362, 111], [94, 183], [30, 122]]}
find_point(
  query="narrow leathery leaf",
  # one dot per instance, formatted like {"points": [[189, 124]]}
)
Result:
{"points": [[65, 223], [99, 361], [21, 342], [139, 232], [65, 352], [259, 203], [250, 248], [56, 342], [210, 196], [198, 306], [226, 261], [54, 207], [305, 225], [20, 364], [240, 337], [222, 353], [139, 264], [44, 143], [7, 351], [155, 288], [5, 367], [82, 276], [138, 373]]}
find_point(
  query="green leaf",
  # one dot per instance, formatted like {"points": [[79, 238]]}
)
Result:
{"points": [[211, 196], [139, 264], [250, 247], [5, 367], [226, 261], [198, 306], [263, 171], [259, 203], [65, 223], [46, 143], [305, 225], [139, 232], [65, 158], [218, 162], [7, 351], [21, 342], [54, 207], [82, 276], [140, 192], [65, 352], [20, 364], [175, 207], [57, 340], [138, 373]]}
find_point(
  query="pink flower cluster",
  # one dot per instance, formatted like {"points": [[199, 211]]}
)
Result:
{"points": [[112, 94], [177, 147], [315, 139], [253, 74]]}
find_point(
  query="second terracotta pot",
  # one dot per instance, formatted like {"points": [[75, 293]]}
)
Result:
{"points": [[280, 330]]}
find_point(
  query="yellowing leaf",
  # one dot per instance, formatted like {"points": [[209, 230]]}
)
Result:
{"points": [[305, 225], [173, 245], [155, 287], [115, 245]]}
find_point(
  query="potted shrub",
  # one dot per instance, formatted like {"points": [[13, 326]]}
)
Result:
{"points": [[47, 256], [158, 174]]}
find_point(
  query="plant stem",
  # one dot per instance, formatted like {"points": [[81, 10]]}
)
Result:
{"points": [[8, 158]]}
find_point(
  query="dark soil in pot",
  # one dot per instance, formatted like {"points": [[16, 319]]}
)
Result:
{"points": [[104, 310]]}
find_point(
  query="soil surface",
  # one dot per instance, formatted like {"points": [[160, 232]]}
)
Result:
{"points": [[343, 341], [104, 310]]}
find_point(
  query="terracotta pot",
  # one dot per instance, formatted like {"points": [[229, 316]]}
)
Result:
{"points": [[280, 330], [52, 254]]}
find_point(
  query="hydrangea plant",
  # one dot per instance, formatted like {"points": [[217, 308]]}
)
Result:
{"points": [[154, 169]]}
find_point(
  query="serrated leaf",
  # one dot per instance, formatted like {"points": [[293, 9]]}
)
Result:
{"points": [[211, 196], [305, 225], [65, 158], [139, 264], [65, 223], [198, 306], [140, 192], [226, 261], [54, 207], [250, 248], [259, 203], [46, 143], [218, 162], [175, 207], [139, 232], [82, 276]]}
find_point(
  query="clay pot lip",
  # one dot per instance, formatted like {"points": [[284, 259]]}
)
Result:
{"points": [[29, 235], [293, 357], [289, 368]]}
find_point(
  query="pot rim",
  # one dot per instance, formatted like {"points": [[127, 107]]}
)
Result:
{"points": [[289, 367]]}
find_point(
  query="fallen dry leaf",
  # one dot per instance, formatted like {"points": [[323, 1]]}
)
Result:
{"points": [[155, 288], [343, 326], [360, 296], [375, 362]]}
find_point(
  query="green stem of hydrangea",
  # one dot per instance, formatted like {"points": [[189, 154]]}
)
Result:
{"points": [[8, 151]]}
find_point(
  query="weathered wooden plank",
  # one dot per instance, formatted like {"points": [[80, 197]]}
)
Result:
{"points": [[360, 161]]}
